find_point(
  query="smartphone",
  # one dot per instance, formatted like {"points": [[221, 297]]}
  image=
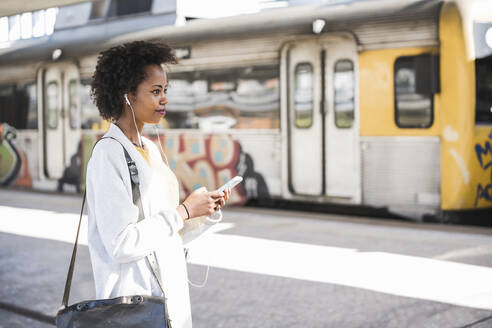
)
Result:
{"points": [[231, 183]]}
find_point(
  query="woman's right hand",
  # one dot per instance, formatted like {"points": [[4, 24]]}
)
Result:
{"points": [[202, 202]]}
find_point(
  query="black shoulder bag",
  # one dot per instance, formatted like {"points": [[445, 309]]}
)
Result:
{"points": [[125, 311]]}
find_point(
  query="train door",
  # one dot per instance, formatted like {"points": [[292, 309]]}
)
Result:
{"points": [[61, 117], [342, 160], [323, 121], [305, 119]]}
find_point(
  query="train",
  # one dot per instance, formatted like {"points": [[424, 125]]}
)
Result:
{"points": [[374, 104]]}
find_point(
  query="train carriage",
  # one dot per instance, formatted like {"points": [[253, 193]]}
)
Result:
{"points": [[371, 104]]}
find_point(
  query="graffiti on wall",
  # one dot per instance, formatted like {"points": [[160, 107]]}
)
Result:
{"points": [[484, 157], [196, 159], [14, 170], [254, 184], [210, 161]]}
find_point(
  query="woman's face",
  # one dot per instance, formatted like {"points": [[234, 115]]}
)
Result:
{"points": [[150, 99]]}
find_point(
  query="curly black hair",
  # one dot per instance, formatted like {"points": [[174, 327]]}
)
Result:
{"points": [[120, 70]]}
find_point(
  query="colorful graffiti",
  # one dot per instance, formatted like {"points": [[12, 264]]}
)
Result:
{"points": [[254, 184], [484, 157], [14, 170], [196, 159], [210, 161]]}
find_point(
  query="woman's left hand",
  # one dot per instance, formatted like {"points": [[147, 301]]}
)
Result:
{"points": [[221, 201]]}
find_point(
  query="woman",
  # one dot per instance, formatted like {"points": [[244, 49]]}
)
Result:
{"points": [[129, 88]]}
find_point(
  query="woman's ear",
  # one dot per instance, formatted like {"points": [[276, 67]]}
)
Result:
{"points": [[129, 98], [132, 96]]}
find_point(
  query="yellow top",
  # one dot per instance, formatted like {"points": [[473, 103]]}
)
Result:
{"points": [[161, 168]]}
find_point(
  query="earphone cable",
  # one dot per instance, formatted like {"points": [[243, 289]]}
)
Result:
{"points": [[135, 122], [160, 145], [202, 284], [204, 281]]}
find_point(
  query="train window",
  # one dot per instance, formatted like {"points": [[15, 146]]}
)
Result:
{"points": [[412, 109], [238, 98], [52, 105], [483, 73], [344, 84], [18, 105], [72, 104], [303, 95]]}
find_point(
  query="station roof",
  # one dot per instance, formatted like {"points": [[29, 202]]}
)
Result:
{"points": [[12, 7], [294, 20]]}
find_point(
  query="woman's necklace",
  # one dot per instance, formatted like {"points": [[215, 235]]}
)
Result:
{"points": [[126, 135]]}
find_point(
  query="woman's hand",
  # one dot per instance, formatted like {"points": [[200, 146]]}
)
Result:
{"points": [[221, 202], [202, 202]]}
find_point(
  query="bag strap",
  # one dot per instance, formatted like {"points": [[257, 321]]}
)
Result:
{"points": [[68, 282], [137, 200]]}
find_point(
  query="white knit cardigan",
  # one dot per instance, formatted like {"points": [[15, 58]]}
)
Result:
{"points": [[118, 243]]}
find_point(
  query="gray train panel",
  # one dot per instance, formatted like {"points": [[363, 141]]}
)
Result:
{"points": [[402, 173]]}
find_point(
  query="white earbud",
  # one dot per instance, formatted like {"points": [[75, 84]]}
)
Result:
{"points": [[126, 98]]}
